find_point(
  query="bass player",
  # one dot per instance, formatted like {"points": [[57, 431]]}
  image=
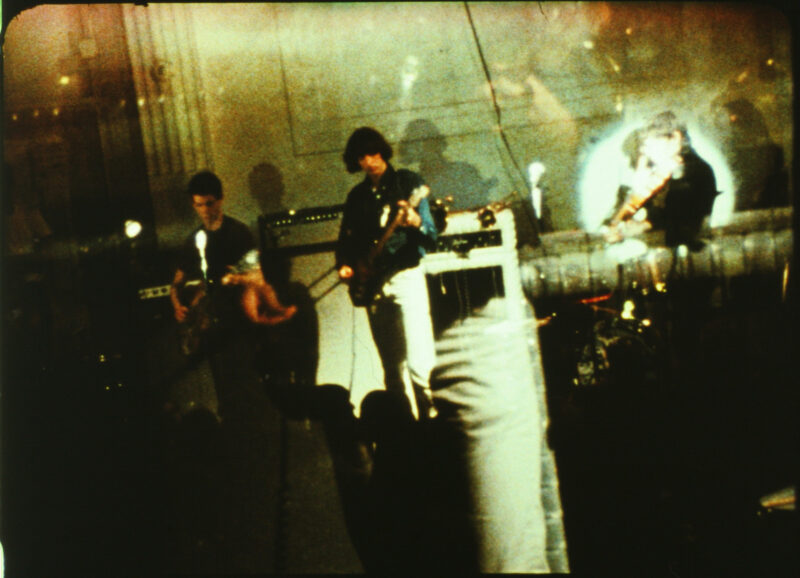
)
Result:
{"points": [[386, 227]]}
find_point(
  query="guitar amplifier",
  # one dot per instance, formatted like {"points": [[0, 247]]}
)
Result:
{"points": [[298, 253], [301, 231], [477, 250]]}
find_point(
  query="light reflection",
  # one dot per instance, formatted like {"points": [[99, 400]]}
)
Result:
{"points": [[63, 80], [409, 74], [627, 310]]}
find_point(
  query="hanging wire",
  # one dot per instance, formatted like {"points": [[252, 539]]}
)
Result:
{"points": [[529, 210]]}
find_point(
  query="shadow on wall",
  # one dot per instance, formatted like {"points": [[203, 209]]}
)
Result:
{"points": [[267, 188], [292, 351], [424, 143], [757, 161]]}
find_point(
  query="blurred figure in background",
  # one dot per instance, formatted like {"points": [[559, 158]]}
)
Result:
{"points": [[671, 188]]}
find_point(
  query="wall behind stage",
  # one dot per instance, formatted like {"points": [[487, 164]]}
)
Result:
{"points": [[469, 93]]}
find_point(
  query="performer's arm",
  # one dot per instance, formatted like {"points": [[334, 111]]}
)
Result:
{"points": [[179, 308], [259, 301]]}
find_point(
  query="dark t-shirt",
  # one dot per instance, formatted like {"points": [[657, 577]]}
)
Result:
{"points": [[224, 247]]}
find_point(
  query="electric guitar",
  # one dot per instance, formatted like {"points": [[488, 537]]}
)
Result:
{"points": [[194, 294], [367, 278], [654, 183]]}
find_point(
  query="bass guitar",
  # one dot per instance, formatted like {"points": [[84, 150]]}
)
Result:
{"points": [[367, 278]]}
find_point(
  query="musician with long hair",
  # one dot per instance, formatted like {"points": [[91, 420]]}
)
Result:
{"points": [[386, 228], [671, 189]]}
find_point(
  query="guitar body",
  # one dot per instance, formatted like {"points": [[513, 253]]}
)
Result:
{"points": [[203, 314], [199, 320], [367, 279], [365, 284]]}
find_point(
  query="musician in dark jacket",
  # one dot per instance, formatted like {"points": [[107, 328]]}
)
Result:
{"points": [[672, 187], [386, 227]]}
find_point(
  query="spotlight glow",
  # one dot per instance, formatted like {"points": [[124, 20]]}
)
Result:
{"points": [[132, 228], [607, 168]]}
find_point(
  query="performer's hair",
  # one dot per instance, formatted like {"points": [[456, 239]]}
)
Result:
{"points": [[664, 125], [205, 183], [364, 141]]}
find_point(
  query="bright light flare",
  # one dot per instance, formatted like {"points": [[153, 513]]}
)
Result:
{"points": [[132, 228], [627, 310]]}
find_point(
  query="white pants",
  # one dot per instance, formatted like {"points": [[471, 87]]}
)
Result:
{"points": [[401, 326]]}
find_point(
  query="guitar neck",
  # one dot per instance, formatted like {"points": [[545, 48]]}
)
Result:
{"points": [[413, 202], [635, 203], [377, 249], [164, 290], [248, 262]]}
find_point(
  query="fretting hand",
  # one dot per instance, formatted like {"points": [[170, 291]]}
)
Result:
{"points": [[412, 217]]}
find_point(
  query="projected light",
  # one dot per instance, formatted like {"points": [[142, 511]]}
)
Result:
{"points": [[607, 167]]}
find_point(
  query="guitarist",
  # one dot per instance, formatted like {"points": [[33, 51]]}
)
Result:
{"points": [[229, 306], [386, 227], [672, 188]]}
